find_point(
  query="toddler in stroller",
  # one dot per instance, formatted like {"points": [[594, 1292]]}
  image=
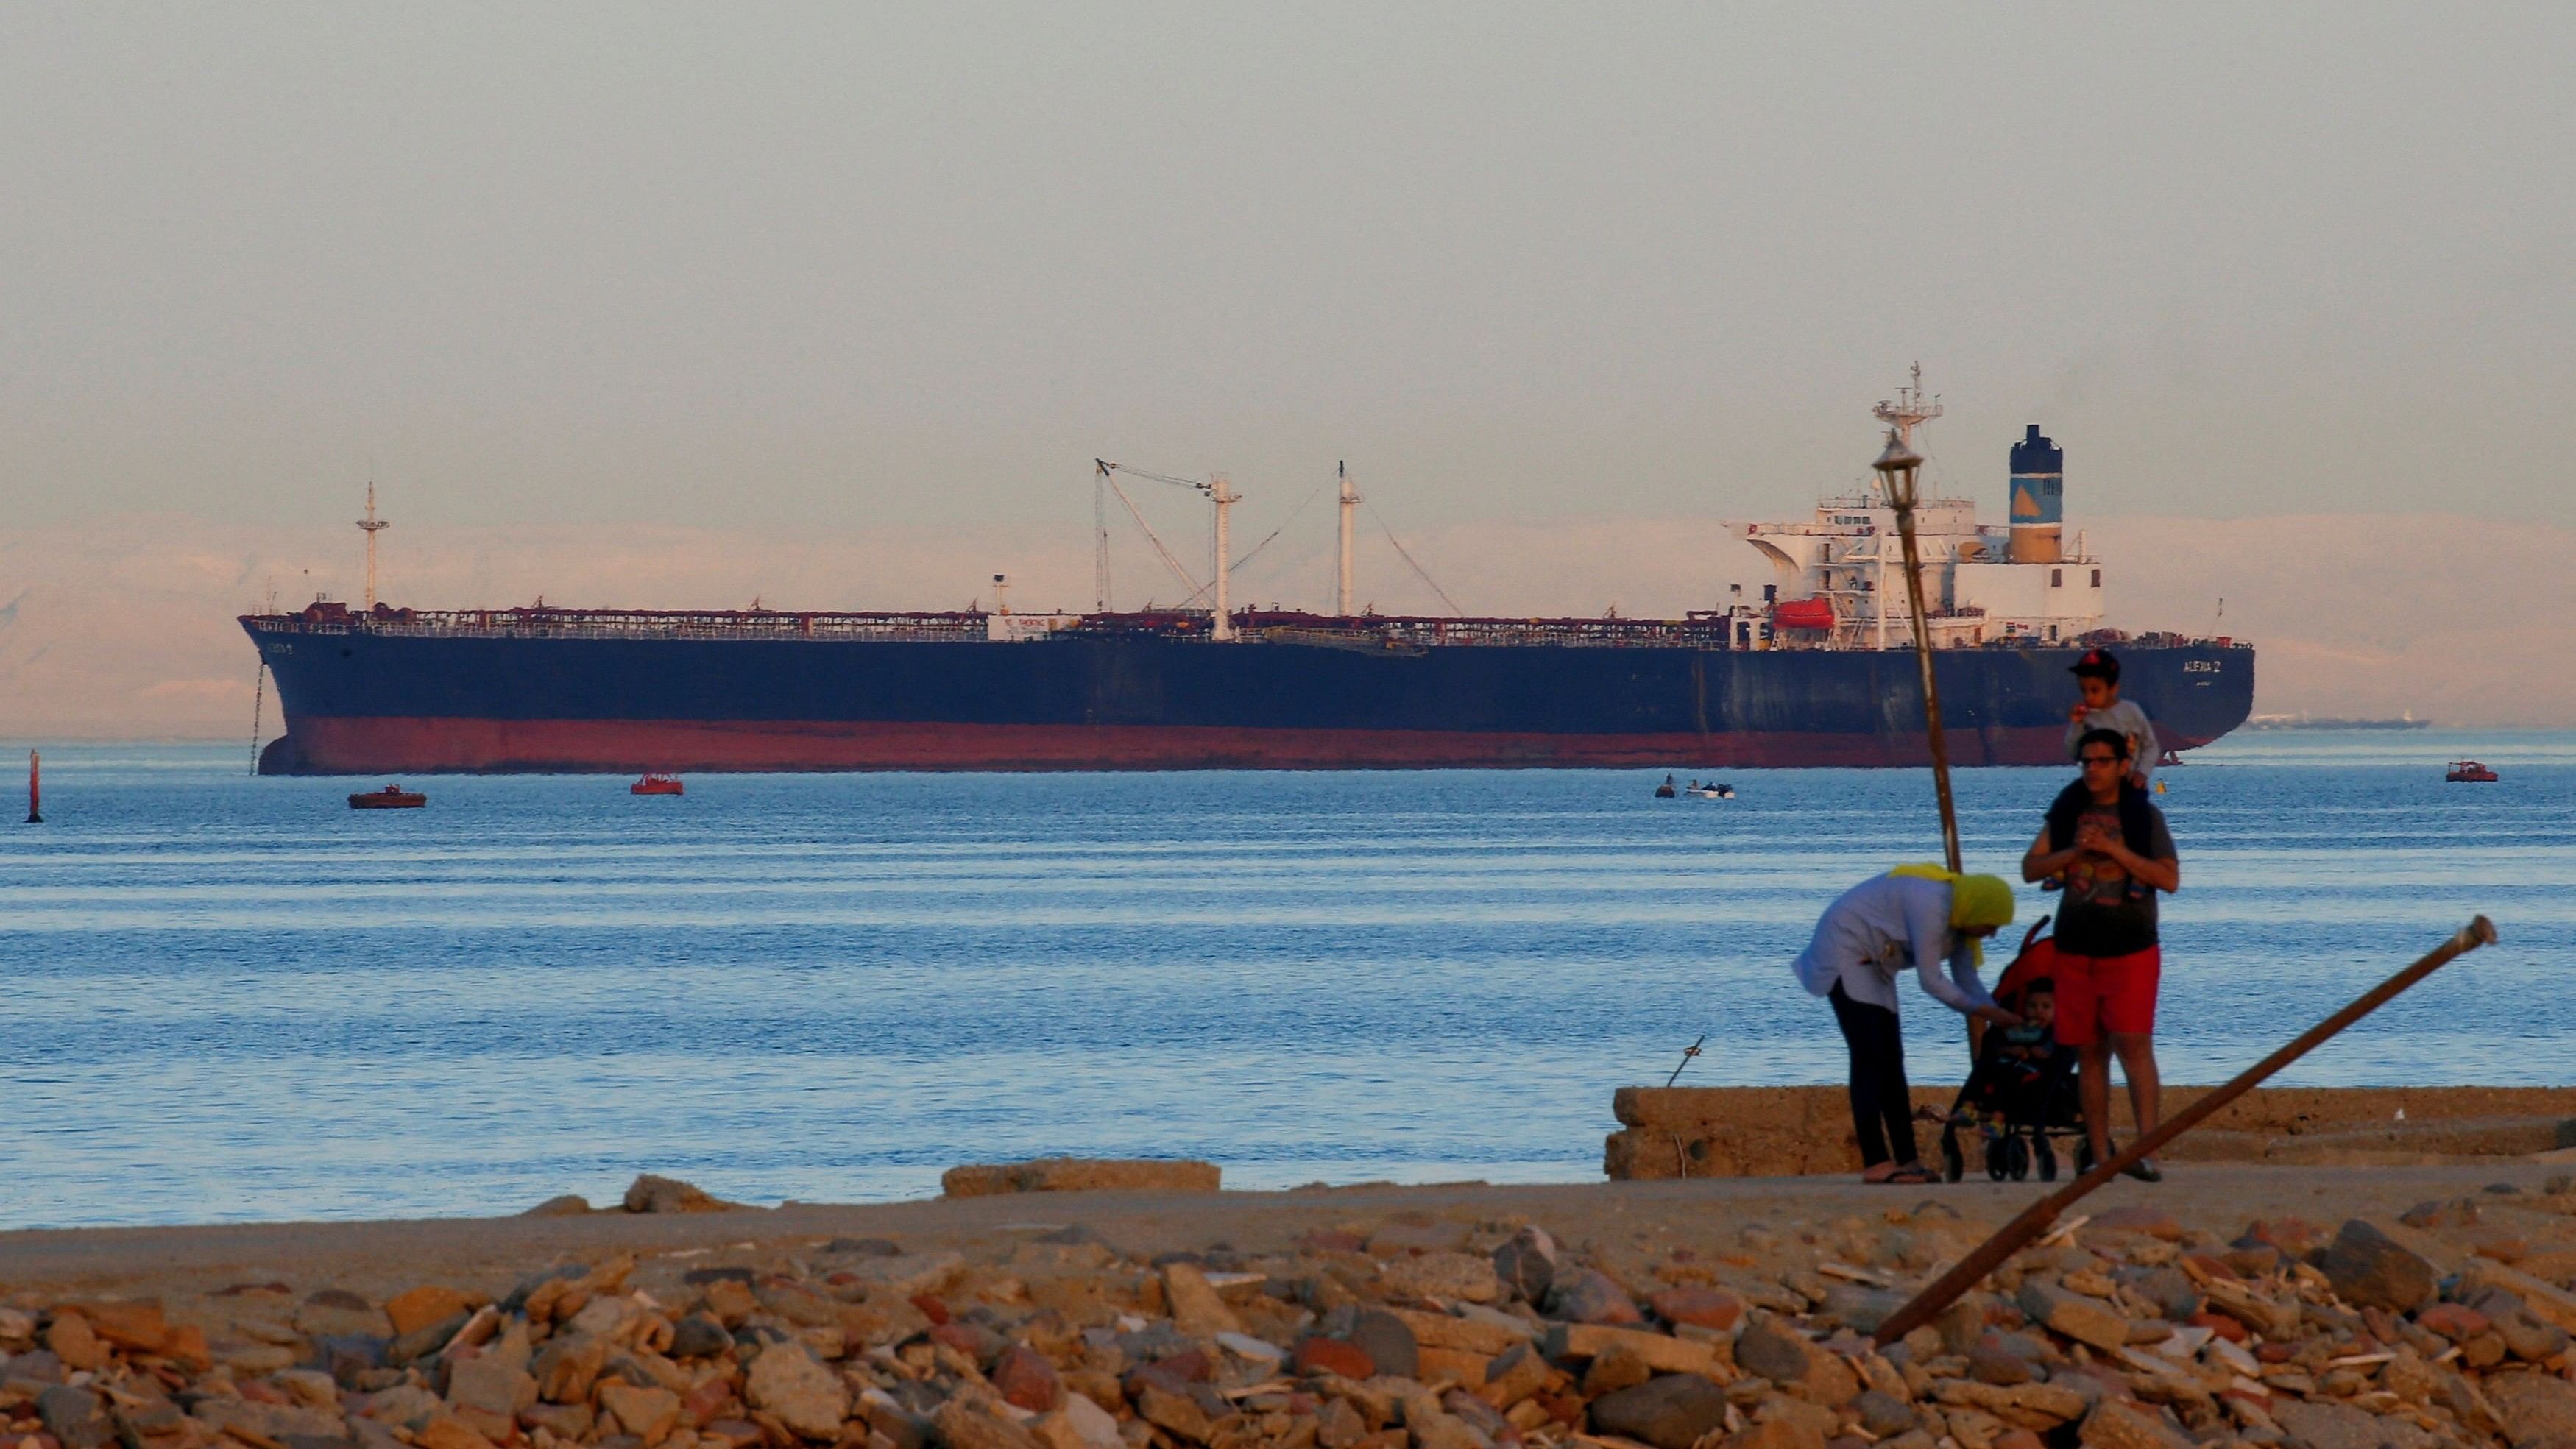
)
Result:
{"points": [[2021, 1092]]}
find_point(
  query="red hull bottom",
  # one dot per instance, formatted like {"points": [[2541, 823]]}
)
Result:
{"points": [[377, 745]]}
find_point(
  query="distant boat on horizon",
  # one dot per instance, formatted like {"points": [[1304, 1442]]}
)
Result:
{"points": [[2406, 721]]}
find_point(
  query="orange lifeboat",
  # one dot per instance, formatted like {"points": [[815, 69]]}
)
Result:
{"points": [[2469, 772], [656, 785]]}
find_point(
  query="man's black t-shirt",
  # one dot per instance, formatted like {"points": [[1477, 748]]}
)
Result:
{"points": [[2104, 912]]}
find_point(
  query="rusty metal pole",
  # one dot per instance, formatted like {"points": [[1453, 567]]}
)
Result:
{"points": [[1899, 465], [35, 788], [2035, 1219]]}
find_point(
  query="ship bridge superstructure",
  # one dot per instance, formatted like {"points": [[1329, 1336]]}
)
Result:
{"points": [[1839, 580]]}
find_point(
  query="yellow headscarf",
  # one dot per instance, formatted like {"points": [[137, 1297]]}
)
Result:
{"points": [[1975, 900]]}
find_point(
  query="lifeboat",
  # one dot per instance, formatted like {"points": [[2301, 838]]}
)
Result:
{"points": [[656, 785], [2469, 772], [1803, 614], [392, 797]]}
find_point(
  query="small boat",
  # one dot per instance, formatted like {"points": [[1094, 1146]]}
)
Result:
{"points": [[656, 785], [1713, 791], [2469, 772], [392, 797], [1665, 791]]}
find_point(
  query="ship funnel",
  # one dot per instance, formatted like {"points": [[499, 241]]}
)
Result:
{"points": [[2038, 499]]}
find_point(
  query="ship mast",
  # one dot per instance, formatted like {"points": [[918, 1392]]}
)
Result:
{"points": [[1350, 502], [373, 526], [1224, 497], [1909, 410]]}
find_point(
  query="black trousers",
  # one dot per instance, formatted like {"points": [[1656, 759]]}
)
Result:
{"points": [[1882, 1108]]}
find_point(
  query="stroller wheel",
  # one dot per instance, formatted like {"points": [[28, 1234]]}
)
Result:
{"points": [[1954, 1164], [2017, 1157], [1998, 1165], [2083, 1157], [2047, 1156]]}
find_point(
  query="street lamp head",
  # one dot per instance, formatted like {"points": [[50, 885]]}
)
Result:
{"points": [[1897, 465]]}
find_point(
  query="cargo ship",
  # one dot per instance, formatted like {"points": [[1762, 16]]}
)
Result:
{"points": [[1815, 669]]}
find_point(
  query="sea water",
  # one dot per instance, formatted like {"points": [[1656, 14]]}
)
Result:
{"points": [[228, 997]]}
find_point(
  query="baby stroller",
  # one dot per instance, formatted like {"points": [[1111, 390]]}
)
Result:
{"points": [[2014, 1106]]}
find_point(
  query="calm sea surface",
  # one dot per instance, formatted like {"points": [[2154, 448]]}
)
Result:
{"points": [[237, 998]]}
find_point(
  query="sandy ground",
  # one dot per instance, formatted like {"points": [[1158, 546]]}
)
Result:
{"points": [[1610, 1219]]}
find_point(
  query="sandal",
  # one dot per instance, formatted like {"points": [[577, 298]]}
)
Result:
{"points": [[1913, 1174]]}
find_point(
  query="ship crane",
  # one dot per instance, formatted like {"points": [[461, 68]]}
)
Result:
{"points": [[1218, 492], [373, 526]]}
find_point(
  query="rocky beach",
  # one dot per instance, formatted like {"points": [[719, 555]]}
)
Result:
{"points": [[2314, 1307]]}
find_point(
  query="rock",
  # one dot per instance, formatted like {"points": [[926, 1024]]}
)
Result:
{"points": [[2529, 1339], [491, 1385], [2118, 1423], [446, 1432], [1082, 1174], [1662, 1354], [423, 1306], [648, 1414], [335, 1311], [1706, 1307], [564, 1205], [2171, 1290], [1175, 1412], [1669, 1412], [132, 1324], [1386, 1339], [1339, 1426], [699, 1336], [1462, 1276], [1883, 1415], [964, 1423], [2032, 1406], [1196, 1308], [2368, 1269], [75, 1343], [1585, 1295], [905, 1275], [2324, 1424], [564, 1421], [1092, 1425], [805, 1396], [1863, 1308], [2086, 1320], [1611, 1372], [1255, 1350], [651, 1194], [2535, 1408], [1526, 1265], [1780, 1434], [568, 1365], [1795, 1362], [74, 1416], [286, 1423], [1332, 1356], [1024, 1378], [1513, 1375], [1990, 1363]]}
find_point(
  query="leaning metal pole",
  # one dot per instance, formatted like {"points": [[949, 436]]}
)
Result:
{"points": [[1898, 465], [2035, 1219]]}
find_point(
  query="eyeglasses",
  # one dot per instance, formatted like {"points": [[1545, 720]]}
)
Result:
{"points": [[2099, 759]]}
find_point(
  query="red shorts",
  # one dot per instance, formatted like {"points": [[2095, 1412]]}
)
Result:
{"points": [[2096, 994]]}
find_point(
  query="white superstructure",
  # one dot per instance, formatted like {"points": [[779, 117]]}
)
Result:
{"points": [[1983, 583]]}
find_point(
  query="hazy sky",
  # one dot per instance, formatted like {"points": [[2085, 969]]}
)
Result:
{"points": [[849, 267]]}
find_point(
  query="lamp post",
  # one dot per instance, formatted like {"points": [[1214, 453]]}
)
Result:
{"points": [[1897, 467]]}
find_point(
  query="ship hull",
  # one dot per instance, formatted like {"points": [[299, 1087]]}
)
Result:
{"points": [[362, 702]]}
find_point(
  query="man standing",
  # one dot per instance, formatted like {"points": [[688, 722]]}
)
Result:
{"points": [[1917, 915], [2111, 848]]}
